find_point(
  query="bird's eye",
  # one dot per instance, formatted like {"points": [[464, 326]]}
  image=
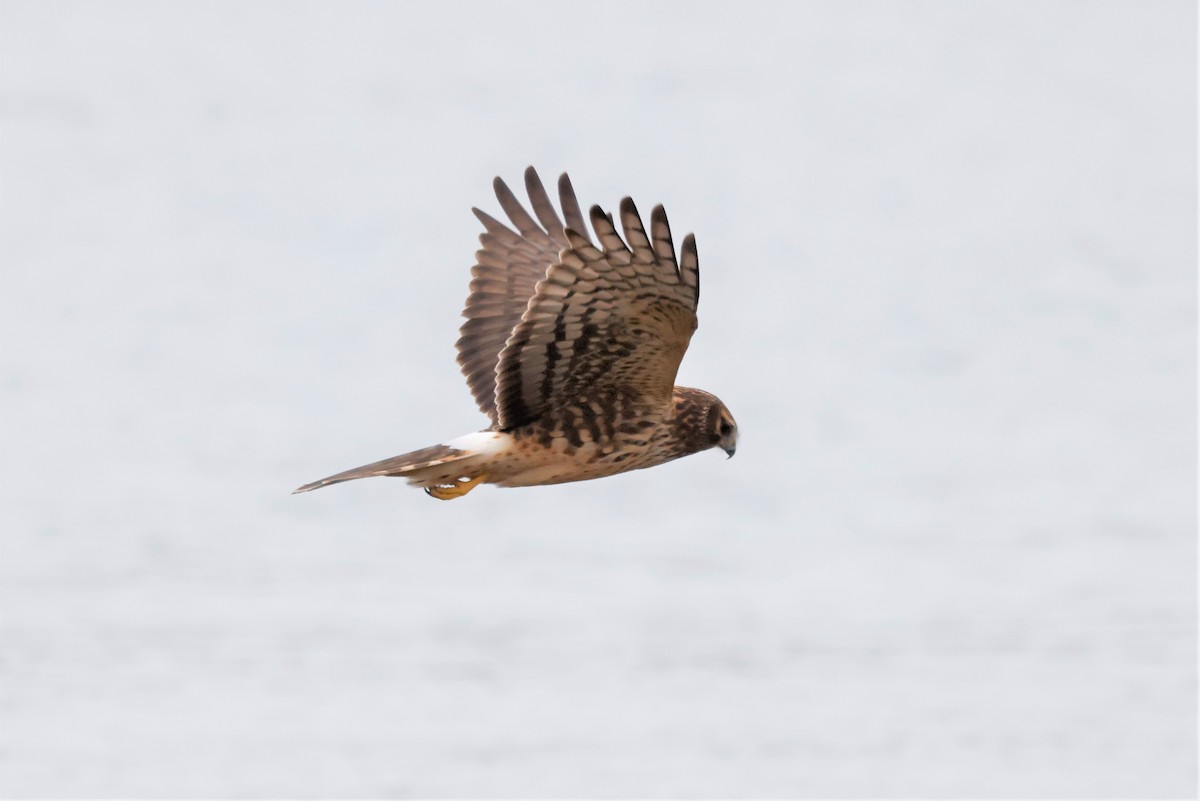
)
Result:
{"points": [[726, 427]]}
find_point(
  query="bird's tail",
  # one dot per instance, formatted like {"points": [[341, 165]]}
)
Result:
{"points": [[429, 467]]}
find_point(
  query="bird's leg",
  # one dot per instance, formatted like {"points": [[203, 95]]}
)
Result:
{"points": [[460, 487]]}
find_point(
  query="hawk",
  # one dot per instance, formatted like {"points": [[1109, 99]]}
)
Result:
{"points": [[571, 349]]}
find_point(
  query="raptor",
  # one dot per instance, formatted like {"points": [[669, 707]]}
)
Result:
{"points": [[571, 347]]}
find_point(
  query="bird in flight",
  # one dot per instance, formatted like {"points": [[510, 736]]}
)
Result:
{"points": [[571, 349]]}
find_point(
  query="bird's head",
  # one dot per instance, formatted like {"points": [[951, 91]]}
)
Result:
{"points": [[726, 429], [704, 421]]}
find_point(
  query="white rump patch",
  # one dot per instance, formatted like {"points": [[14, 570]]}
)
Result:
{"points": [[481, 442]]}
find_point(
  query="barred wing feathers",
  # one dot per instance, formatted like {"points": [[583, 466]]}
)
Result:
{"points": [[607, 324], [509, 266]]}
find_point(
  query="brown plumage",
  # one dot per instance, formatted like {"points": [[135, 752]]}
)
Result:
{"points": [[571, 349]]}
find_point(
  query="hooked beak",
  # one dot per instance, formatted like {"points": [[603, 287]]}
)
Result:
{"points": [[731, 450]]}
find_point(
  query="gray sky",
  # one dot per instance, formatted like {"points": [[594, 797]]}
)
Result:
{"points": [[948, 265]]}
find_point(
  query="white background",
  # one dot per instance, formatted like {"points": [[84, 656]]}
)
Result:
{"points": [[948, 259]]}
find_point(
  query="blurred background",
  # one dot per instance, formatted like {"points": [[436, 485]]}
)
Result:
{"points": [[948, 259]]}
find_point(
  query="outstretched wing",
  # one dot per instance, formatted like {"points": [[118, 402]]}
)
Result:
{"points": [[510, 265], [604, 326]]}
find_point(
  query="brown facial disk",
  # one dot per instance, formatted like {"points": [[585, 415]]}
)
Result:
{"points": [[701, 422]]}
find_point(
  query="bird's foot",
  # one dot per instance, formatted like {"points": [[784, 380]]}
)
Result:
{"points": [[460, 487]]}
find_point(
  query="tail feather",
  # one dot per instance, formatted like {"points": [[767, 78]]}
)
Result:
{"points": [[407, 465]]}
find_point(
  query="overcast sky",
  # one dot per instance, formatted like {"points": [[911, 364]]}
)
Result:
{"points": [[948, 266]]}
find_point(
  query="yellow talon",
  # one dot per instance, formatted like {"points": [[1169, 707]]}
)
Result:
{"points": [[448, 492]]}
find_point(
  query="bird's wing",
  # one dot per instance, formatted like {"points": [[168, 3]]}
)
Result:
{"points": [[604, 327], [509, 266]]}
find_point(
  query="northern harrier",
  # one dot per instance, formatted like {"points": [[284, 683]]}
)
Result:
{"points": [[571, 349]]}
